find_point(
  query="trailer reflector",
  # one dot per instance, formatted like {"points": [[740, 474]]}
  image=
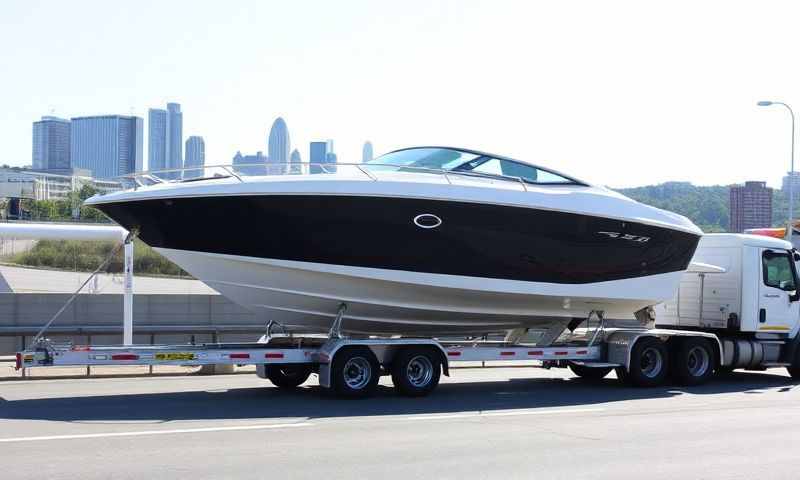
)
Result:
{"points": [[81, 348], [536, 353], [581, 352], [239, 355], [562, 353], [453, 354], [18, 363], [125, 356], [273, 355], [507, 354]]}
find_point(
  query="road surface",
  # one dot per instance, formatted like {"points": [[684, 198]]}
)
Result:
{"points": [[481, 423]]}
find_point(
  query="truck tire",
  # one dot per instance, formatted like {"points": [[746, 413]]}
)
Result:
{"points": [[355, 372], [416, 371], [590, 373], [794, 369], [288, 376], [649, 363], [692, 361]]}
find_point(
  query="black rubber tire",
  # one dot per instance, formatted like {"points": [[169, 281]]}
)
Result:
{"points": [[339, 376], [288, 376], [722, 371], [685, 358], [590, 373], [426, 356], [794, 369], [637, 374]]}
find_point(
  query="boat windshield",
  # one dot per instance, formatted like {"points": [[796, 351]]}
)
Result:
{"points": [[437, 158]]}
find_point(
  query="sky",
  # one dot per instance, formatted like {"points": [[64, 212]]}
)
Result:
{"points": [[619, 93]]}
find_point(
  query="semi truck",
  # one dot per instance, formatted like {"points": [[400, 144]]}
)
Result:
{"points": [[737, 307]]}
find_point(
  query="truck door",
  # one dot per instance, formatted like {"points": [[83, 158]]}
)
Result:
{"points": [[778, 305]]}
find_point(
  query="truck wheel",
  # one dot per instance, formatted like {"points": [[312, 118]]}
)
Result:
{"points": [[590, 373], [416, 371], [693, 361], [355, 372], [794, 369], [649, 363], [288, 376]]}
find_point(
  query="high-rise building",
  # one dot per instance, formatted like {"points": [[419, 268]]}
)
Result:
{"points": [[195, 156], [156, 139], [296, 162], [250, 164], [794, 179], [750, 206], [165, 139], [107, 145], [278, 146], [51, 138], [320, 154], [366, 152]]}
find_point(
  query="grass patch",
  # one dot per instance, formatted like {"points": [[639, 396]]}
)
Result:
{"points": [[85, 256]]}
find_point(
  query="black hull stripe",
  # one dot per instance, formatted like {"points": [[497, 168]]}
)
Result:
{"points": [[476, 240]]}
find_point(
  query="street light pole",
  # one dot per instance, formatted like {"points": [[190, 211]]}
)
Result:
{"points": [[791, 171]]}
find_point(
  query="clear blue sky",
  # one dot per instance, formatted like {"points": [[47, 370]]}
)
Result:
{"points": [[618, 93]]}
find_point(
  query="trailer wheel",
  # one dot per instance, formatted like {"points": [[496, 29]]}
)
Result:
{"points": [[693, 361], [288, 376], [355, 372], [416, 371], [590, 373], [649, 363]]}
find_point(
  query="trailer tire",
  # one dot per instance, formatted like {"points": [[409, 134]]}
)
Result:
{"points": [[288, 376], [590, 373], [355, 372], [416, 371], [692, 361], [649, 363]]}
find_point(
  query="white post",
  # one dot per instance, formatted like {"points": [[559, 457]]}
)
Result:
{"points": [[127, 309]]}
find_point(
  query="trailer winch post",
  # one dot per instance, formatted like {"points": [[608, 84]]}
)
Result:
{"points": [[127, 308]]}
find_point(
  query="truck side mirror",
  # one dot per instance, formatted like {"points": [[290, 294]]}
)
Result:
{"points": [[794, 296]]}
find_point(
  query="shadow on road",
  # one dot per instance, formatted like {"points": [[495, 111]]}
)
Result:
{"points": [[306, 402]]}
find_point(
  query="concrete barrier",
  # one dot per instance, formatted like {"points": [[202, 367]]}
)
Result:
{"points": [[97, 319]]}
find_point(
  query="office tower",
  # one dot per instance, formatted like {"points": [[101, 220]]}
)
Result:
{"points": [[296, 162], [195, 156], [794, 179], [165, 139], [51, 139], [107, 145], [750, 206], [278, 146], [366, 152], [317, 156], [244, 164]]}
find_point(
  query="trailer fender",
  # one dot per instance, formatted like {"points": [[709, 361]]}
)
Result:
{"points": [[620, 343]]}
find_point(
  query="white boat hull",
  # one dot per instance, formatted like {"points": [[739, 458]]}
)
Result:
{"points": [[307, 296]]}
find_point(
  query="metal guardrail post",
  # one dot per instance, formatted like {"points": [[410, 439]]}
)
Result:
{"points": [[152, 342], [88, 367], [24, 370]]}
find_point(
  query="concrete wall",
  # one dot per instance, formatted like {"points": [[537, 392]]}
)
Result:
{"points": [[187, 312]]}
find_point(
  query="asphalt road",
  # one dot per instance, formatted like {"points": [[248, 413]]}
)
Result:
{"points": [[481, 423]]}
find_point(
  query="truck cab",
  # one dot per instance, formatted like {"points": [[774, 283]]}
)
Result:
{"points": [[744, 288]]}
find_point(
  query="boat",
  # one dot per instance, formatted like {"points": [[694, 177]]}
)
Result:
{"points": [[420, 241]]}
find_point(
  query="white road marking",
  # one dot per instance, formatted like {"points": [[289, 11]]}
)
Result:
{"points": [[154, 432], [505, 413]]}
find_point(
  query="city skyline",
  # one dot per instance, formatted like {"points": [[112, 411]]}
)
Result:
{"points": [[610, 111]]}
